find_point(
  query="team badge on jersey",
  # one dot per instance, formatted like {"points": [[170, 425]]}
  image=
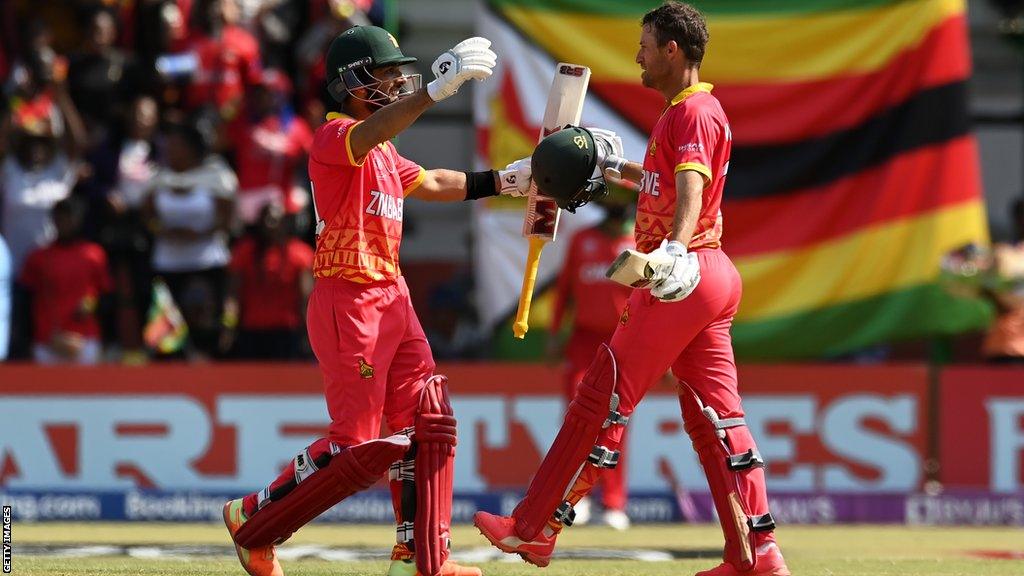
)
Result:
{"points": [[625, 315], [365, 369], [654, 147]]}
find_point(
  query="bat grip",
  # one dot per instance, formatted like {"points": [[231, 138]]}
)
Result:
{"points": [[522, 323]]}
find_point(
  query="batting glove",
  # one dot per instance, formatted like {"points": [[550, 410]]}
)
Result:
{"points": [[515, 178], [682, 278], [610, 152], [471, 59]]}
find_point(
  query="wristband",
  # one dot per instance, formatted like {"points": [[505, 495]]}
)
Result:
{"points": [[480, 185]]}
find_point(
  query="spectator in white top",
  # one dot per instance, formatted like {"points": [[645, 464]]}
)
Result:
{"points": [[189, 212], [40, 171]]}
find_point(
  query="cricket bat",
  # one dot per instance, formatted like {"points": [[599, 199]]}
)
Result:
{"points": [[638, 269], [565, 106]]}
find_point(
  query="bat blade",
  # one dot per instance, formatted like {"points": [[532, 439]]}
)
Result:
{"points": [[565, 106]]}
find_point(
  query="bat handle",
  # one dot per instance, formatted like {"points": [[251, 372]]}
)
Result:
{"points": [[522, 323]]}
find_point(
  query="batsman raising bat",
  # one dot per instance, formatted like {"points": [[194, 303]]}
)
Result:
{"points": [[373, 355], [678, 316]]}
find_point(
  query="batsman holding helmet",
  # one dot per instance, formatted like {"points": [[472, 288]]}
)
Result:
{"points": [[681, 322], [373, 355]]}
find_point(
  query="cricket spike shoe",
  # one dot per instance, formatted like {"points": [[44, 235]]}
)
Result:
{"points": [[769, 563], [403, 563], [257, 561], [500, 530]]}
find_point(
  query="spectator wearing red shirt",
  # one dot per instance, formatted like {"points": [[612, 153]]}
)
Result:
{"points": [[66, 281], [227, 58], [598, 304], [269, 280], [271, 145]]}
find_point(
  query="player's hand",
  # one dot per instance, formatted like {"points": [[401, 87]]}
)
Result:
{"points": [[682, 278], [471, 59], [515, 178], [610, 152]]}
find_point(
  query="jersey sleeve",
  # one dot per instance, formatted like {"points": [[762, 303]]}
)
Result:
{"points": [[332, 145], [410, 173], [694, 137]]}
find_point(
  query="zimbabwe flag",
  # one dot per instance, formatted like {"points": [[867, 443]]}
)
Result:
{"points": [[853, 167]]}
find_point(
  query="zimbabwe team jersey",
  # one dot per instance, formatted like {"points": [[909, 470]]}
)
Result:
{"points": [[358, 204], [598, 301], [691, 134]]}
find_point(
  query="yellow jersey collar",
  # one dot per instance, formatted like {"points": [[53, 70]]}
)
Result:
{"points": [[690, 90], [337, 115]]}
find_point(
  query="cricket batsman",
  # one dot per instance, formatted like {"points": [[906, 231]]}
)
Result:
{"points": [[373, 355], [678, 317]]}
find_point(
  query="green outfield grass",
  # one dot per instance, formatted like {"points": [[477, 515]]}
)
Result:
{"points": [[831, 551]]}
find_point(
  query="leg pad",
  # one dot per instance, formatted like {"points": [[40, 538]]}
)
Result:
{"points": [[352, 470]]}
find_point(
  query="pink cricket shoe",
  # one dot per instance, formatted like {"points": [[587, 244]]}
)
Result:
{"points": [[257, 561], [500, 530], [769, 563]]}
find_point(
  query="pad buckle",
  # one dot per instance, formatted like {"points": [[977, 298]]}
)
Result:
{"points": [[404, 532], [614, 416], [762, 523], [565, 514], [749, 459], [603, 457]]}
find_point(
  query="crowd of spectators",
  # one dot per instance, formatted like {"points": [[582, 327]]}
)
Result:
{"points": [[159, 143]]}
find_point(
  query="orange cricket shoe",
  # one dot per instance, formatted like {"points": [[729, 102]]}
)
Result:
{"points": [[500, 530], [257, 561], [769, 563], [403, 563]]}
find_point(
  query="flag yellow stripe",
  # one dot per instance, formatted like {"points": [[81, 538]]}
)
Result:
{"points": [[748, 49], [879, 259]]}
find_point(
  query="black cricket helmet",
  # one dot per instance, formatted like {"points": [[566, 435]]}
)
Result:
{"points": [[565, 168], [353, 56]]}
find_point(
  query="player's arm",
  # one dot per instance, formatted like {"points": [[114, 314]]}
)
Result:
{"points": [[689, 196], [388, 122], [442, 185], [471, 59], [632, 171]]}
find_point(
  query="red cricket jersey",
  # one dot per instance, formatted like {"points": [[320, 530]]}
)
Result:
{"points": [[269, 151], [358, 205], [270, 287], [691, 134], [598, 300], [226, 66], [64, 278]]}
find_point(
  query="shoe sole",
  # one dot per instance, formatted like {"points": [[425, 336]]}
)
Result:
{"points": [[528, 557]]}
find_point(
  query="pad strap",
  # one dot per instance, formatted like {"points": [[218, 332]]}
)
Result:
{"points": [[763, 522], [749, 459], [603, 457]]}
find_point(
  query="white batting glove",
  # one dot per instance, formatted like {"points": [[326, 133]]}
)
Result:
{"points": [[610, 152], [515, 178], [471, 59], [682, 278]]}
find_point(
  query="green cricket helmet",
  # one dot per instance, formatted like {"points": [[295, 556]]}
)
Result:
{"points": [[565, 168], [353, 56]]}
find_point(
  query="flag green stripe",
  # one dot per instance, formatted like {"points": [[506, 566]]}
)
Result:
{"points": [[711, 8], [924, 310]]}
